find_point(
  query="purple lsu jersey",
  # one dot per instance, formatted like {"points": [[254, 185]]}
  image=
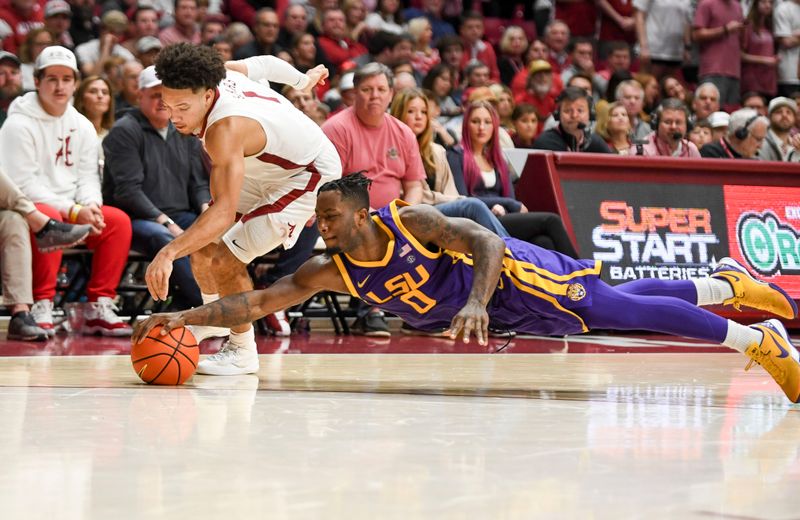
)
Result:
{"points": [[539, 291]]}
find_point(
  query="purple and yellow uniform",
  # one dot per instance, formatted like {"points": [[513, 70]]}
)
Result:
{"points": [[538, 292]]}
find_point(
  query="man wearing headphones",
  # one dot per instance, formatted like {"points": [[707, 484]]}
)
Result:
{"points": [[670, 124], [574, 111], [746, 132]]}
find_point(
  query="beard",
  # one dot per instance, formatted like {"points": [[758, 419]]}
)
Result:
{"points": [[541, 89]]}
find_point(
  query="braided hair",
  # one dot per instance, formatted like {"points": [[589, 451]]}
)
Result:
{"points": [[353, 187]]}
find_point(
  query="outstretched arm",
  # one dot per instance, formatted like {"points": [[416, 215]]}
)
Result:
{"points": [[227, 142], [428, 225], [276, 70], [315, 275]]}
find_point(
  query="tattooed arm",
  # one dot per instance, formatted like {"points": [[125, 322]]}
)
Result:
{"points": [[428, 225], [315, 275]]}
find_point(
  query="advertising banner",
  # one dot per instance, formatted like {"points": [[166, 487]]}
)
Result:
{"points": [[764, 232], [648, 230]]}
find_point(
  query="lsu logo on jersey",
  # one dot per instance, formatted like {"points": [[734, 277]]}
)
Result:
{"points": [[576, 292], [407, 288]]}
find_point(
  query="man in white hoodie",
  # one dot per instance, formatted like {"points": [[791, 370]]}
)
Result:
{"points": [[50, 151]]}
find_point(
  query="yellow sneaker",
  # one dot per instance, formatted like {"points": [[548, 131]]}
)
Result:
{"points": [[778, 357], [751, 292]]}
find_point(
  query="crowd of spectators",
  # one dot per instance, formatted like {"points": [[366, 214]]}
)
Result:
{"points": [[423, 96]]}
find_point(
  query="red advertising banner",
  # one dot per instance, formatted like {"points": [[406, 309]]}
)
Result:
{"points": [[764, 232]]}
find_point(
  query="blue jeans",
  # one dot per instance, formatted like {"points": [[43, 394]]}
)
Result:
{"points": [[149, 237], [474, 210]]}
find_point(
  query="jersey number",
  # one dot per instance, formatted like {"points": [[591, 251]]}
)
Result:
{"points": [[404, 286]]}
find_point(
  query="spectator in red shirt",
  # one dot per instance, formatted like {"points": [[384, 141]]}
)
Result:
{"points": [[719, 29], [475, 47], [537, 50], [185, 27], [334, 41], [579, 15], [759, 61], [16, 19], [539, 91], [617, 24]]}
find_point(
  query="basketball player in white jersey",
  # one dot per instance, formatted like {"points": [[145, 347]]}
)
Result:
{"points": [[267, 162]]}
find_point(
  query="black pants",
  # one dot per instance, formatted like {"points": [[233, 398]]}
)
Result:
{"points": [[543, 229]]}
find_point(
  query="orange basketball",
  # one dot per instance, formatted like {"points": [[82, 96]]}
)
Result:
{"points": [[165, 360]]}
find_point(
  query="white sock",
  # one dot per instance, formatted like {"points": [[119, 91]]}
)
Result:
{"points": [[245, 339], [208, 298], [741, 337], [712, 291]]}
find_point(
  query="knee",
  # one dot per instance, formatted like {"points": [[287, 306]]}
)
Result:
{"points": [[474, 206], [225, 264], [50, 211], [116, 220], [12, 225]]}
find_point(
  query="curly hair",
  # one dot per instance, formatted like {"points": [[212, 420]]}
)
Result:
{"points": [[184, 65]]}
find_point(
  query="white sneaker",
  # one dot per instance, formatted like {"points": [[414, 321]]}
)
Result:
{"points": [[101, 317], [201, 332], [42, 312], [230, 361]]}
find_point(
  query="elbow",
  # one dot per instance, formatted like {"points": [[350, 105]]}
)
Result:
{"points": [[224, 214]]}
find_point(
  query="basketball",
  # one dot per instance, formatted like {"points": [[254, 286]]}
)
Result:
{"points": [[165, 360]]}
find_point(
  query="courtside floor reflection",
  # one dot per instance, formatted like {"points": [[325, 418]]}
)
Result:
{"points": [[590, 427]]}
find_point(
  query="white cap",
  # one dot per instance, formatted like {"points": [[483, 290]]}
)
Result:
{"points": [[55, 55], [346, 82], [781, 101], [148, 78], [148, 43], [719, 119]]}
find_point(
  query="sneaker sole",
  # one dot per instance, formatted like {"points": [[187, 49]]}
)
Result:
{"points": [[17, 337], [65, 246], [740, 269], [227, 370], [91, 331]]}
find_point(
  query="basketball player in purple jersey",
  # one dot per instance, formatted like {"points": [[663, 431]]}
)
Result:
{"points": [[435, 271]]}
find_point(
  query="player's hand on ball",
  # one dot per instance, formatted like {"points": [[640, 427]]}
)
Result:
{"points": [[168, 321], [317, 75], [473, 318], [157, 276]]}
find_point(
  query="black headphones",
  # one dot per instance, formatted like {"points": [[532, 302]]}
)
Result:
{"points": [[742, 133], [655, 116], [563, 96]]}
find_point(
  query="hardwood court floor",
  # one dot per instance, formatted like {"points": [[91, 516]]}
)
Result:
{"points": [[587, 428]]}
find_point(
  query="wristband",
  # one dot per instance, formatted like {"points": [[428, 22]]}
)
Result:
{"points": [[73, 212], [168, 222]]}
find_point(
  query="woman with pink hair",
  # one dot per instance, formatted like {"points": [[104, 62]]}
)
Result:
{"points": [[480, 170]]}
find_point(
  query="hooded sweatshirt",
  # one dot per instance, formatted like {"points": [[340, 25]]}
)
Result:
{"points": [[53, 159]]}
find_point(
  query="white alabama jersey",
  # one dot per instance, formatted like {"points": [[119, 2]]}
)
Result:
{"points": [[294, 142], [281, 181]]}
